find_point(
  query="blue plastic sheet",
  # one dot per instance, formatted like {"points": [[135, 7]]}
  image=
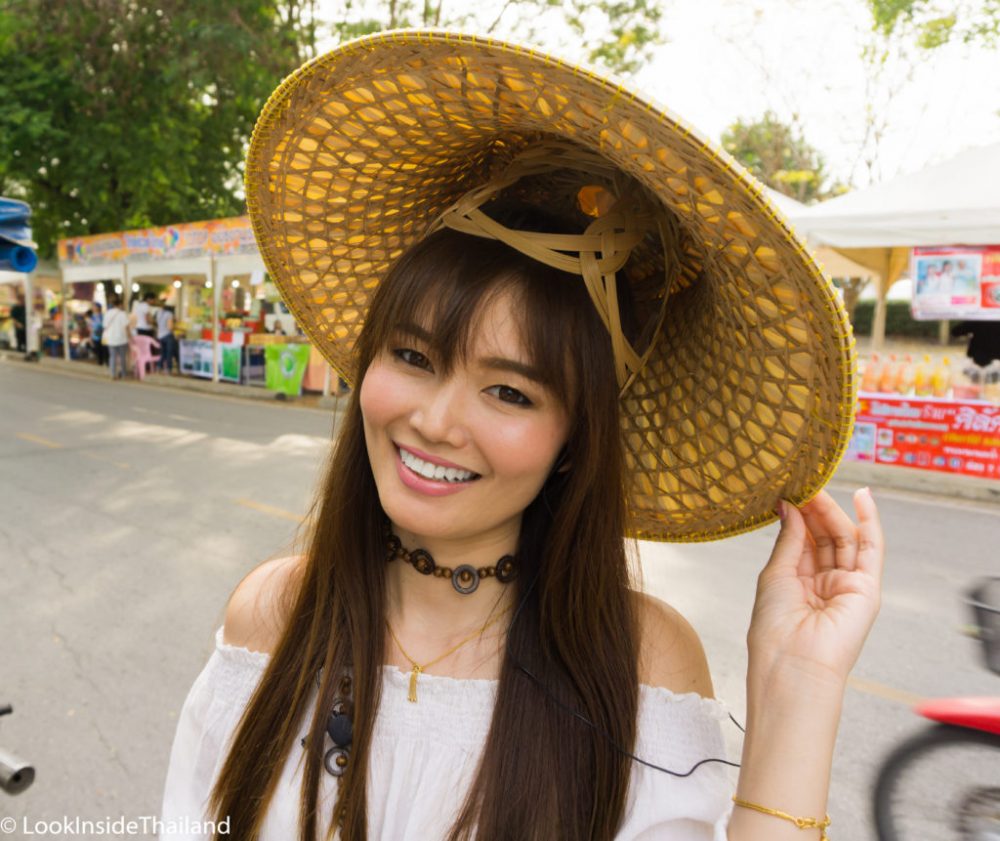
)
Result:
{"points": [[16, 248]]}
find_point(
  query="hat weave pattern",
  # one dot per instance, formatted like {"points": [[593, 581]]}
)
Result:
{"points": [[748, 389]]}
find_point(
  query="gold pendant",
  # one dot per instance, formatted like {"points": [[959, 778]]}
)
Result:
{"points": [[412, 696]]}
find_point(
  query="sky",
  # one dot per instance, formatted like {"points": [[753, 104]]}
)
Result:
{"points": [[729, 59], [726, 59]]}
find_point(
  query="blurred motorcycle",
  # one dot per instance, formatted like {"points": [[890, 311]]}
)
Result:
{"points": [[943, 784]]}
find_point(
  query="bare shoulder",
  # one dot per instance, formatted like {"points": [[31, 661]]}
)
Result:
{"points": [[671, 654], [255, 614]]}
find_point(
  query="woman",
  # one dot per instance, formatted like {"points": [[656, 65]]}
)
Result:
{"points": [[115, 337], [165, 336], [553, 347]]}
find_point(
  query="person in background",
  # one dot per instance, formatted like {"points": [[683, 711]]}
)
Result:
{"points": [[96, 316], [115, 336], [141, 313], [165, 336], [18, 316], [984, 341]]}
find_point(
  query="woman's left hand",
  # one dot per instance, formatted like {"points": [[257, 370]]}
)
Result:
{"points": [[818, 596]]}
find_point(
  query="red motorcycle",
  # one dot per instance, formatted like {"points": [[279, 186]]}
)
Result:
{"points": [[943, 784]]}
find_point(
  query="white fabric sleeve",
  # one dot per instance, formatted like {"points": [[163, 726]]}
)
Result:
{"points": [[676, 732], [205, 727]]}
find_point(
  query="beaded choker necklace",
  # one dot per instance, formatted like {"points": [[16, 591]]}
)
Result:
{"points": [[465, 578]]}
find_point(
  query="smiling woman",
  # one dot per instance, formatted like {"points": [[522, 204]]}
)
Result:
{"points": [[569, 324]]}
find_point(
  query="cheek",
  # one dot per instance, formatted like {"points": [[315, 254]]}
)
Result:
{"points": [[528, 449], [382, 397]]}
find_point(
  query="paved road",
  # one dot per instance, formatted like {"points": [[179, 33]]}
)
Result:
{"points": [[128, 513]]}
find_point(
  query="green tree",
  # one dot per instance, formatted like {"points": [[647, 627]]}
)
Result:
{"points": [[118, 114], [932, 23], [778, 155], [121, 114], [617, 35]]}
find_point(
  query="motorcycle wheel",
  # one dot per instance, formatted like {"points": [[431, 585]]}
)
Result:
{"points": [[943, 784]]}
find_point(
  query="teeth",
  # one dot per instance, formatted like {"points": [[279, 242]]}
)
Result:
{"points": [[434, 471]]}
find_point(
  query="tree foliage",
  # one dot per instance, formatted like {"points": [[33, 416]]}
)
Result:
{"points": [[118, 114], [126, 113], [932, 23], [617, 35], [777, 154]]}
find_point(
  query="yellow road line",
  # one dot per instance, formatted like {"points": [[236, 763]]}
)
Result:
{"points": [[122, 464], [45, 442], [270, 509], [880, 690]]}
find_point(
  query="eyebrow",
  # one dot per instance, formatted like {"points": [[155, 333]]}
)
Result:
{"points": [[497, 363]]}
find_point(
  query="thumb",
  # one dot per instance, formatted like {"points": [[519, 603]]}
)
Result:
{"points": [[790, 543]]}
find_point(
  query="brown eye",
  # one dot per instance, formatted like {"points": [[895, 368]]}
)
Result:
{"points": [[510, 395], [412, 357]]}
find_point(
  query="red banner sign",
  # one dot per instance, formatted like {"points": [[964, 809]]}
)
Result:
{"points": [[952, 436]]}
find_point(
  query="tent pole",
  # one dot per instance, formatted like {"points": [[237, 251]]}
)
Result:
{"points": [[878, 322], [65, 320], [216, 306], [30, 337]]}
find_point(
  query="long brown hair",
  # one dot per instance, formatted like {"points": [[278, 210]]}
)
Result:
{"points": [[573, 644]]}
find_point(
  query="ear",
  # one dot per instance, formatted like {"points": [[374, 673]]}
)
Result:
{"points": [[562, 464]]}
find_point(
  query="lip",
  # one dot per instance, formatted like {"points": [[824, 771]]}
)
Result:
{"points": [[430, 487]]}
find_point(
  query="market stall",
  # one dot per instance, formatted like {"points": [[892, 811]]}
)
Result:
{"points": [[941, 228], [956, 202], [211, 275]]}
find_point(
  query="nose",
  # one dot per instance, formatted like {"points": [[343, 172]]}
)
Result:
{"points": [[440, 415]]}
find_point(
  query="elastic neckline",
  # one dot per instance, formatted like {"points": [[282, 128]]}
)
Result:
{"points": [[713, 706]]}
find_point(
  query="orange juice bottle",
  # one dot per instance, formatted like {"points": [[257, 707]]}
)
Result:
{"points": [[941, 378], [870, 376], [887, 380], [904, 376], [922, 377]]}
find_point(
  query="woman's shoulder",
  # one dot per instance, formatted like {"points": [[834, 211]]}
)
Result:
{"points": [[671, 655], [257, 608]]}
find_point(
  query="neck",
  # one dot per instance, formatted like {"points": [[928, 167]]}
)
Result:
{"points": [[428, 609]]}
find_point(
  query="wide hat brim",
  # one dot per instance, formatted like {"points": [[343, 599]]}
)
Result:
{"points": [[748, 393]]}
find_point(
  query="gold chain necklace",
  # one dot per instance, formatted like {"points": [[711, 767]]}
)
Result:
{"points": [[417, 668]]}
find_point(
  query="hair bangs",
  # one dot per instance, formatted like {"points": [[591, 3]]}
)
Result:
{"points": [[444, 286]]}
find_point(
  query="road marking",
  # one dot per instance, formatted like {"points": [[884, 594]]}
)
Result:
{"points": [[122, 464], [880, 690], [270, 509], [45, 442]]}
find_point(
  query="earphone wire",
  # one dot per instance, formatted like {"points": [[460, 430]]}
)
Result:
{"points": [[596, 728]]}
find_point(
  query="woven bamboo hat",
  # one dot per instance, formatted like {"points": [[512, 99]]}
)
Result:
{"points": [[737, 364]]}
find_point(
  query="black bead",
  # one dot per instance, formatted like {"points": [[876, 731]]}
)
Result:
{"points": [[422, 561], [340, 729], [470, 573], [506, 570]]}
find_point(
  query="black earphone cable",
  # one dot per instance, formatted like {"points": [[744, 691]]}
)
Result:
{"points": [[597, 729]]}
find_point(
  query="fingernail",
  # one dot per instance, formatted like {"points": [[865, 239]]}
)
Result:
{"points": [[780, 509]]}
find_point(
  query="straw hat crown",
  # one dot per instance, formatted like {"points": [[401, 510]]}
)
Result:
{"points": [[745, 388]]}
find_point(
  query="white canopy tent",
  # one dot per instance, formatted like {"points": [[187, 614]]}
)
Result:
{"points": [[956, 202]]}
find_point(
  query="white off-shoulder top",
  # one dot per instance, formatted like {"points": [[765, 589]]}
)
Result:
{"points": [[424, 757]]}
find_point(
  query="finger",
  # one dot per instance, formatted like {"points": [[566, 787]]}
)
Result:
{"points": [[834, 533], [791, 542], [871, 542]]}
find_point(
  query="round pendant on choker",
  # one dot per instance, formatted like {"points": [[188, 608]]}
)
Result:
{"points": [[465, 578]]}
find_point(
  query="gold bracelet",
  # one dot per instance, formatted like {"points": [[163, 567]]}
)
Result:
{"points": [[801, 823]]}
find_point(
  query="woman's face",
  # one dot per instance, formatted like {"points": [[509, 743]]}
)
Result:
{"points": [[489, 427]]}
